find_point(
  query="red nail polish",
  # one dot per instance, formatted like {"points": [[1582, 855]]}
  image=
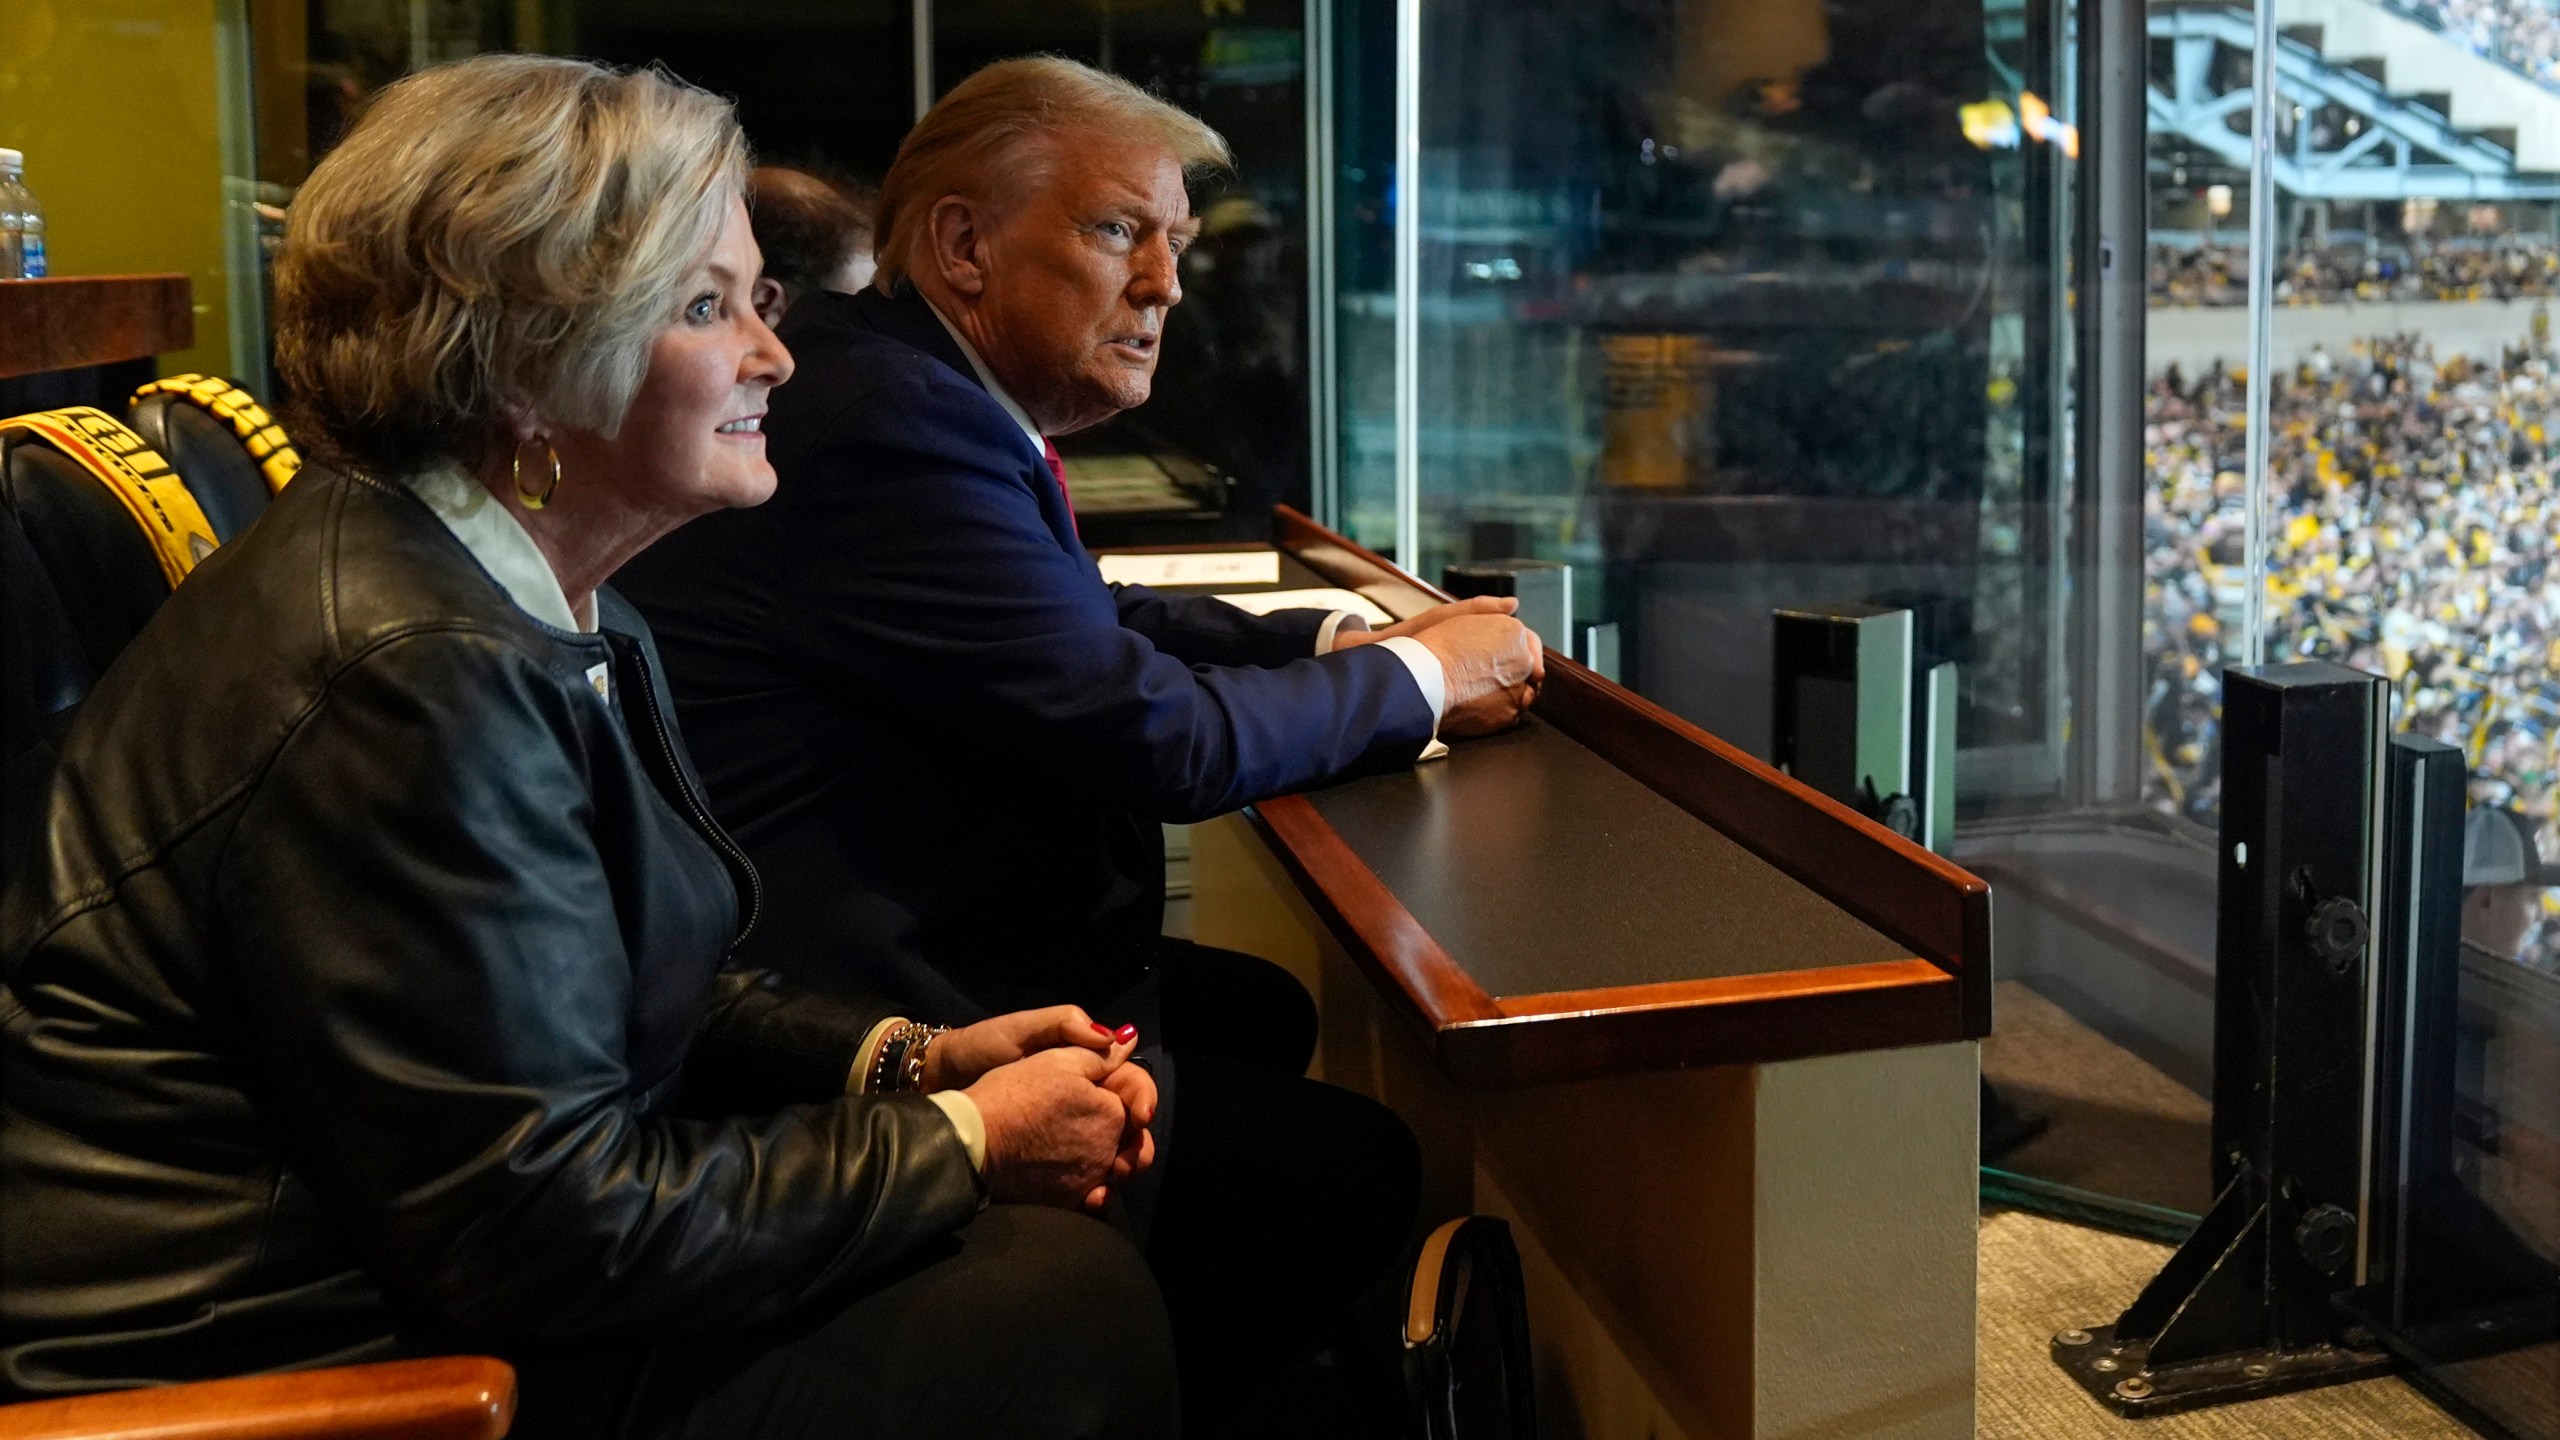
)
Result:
{"points": [[1101, 1029], [1125, 1034]]}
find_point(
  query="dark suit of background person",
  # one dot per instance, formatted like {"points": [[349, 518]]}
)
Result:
{"points": [[949, 745]]}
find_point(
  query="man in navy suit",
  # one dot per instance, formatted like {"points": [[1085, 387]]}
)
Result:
{"points": [[950, 745], [947, 741]]}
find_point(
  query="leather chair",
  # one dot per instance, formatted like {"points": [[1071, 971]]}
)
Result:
{"points": [[45, 667], [101, 521], [113, 527], [454, 1398], [223, 443], [95, 530]]}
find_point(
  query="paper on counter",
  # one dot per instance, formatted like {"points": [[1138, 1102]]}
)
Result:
{"points": [[1193, 567], [1263, 602]]}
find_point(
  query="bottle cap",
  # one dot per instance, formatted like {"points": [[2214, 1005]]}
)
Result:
{"points": [[12, 161]]}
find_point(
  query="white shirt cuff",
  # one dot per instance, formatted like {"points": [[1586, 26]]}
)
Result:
{"points": [[1334, 624], [1417, 657], [1434, 683], [965, 1118], [857, 1081]]}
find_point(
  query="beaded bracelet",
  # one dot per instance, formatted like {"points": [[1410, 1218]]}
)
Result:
{"points": [[900, 1063], [885, 1066]]}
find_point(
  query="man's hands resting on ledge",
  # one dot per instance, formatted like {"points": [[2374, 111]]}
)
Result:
{"points": [[1493, 662], [1066, 1111]]}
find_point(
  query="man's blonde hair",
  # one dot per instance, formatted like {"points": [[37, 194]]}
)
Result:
{"points": [[983, 140], [507, 233]]}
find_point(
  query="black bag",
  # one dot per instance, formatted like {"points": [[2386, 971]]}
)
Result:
{"points": [[1466, 1336]]}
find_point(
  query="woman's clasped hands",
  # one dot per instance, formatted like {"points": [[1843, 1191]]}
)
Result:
{"points": [[1066, 1109]]}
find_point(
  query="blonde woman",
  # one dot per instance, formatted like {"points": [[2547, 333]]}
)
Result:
{"points": [[369, 996]]}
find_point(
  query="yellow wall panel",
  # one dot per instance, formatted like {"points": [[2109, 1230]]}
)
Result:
{"points": [[117, 106]]}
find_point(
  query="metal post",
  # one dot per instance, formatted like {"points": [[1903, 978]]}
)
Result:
{"points": [[2108, 480], [2248, 1306], [1324, 474], [236, 130], [920, 25], [1408, 241], [2262, 266]]}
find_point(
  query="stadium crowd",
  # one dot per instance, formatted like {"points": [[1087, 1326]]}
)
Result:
{"points": [[2415, 533], [2511, 268], [2524, 34]]}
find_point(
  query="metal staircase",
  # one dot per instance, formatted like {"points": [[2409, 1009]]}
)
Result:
{"points": [[2398, 147]]}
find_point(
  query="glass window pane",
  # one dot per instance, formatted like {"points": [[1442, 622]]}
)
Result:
{"points": [[1720, 304], [2414, 525], [1734, 307]]}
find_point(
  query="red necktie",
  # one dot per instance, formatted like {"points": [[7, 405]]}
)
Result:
{"points": [[1058, 470]]}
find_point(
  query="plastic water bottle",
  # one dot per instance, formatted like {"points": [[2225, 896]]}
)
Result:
{"points": [[21, 222]]}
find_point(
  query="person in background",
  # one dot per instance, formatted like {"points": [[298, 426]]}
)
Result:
{"points": [[951, 746], [815, 232], [2503, 878], [370, 997]]}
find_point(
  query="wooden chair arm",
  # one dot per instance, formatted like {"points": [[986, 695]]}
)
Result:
{"points": [[464, 1397]]}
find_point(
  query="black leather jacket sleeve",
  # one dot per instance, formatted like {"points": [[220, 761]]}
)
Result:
{"points": [[434, 988], [766, 1042]]}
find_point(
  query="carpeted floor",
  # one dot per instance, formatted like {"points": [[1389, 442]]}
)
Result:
{"points": [[2041, 1276]]}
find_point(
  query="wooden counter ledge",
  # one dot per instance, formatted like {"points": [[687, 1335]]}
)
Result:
{"points": [[1610, 889], [64, 322]]}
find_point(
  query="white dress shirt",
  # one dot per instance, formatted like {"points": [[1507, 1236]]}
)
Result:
{"points": [[498, 540], [1418, 660]]}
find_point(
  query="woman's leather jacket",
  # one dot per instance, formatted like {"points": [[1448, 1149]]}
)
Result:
{"points": [[366, 995]]}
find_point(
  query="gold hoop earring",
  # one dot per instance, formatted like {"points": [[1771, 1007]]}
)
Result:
{"points": [[515, 472]]}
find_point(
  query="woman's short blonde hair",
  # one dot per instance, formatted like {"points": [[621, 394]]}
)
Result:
{"points": [[504, 235], [983, 139]]}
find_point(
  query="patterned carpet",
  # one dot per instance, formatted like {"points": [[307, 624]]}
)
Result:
{"points": [[2040, 1276]]}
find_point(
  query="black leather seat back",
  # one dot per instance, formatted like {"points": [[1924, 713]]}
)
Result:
{"points": [[44, 673], [95, 530], [223, 443], [95, 558], [44, 669]]}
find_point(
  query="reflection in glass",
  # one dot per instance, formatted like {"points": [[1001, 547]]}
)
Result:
{"points": [[1730, 306], [2465, 1280]]}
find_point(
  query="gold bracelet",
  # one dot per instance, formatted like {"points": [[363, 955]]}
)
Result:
{"points": [[911, 1066]]}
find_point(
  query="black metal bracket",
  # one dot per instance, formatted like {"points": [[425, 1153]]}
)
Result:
{"points": [[2251, 1305], [2200, 1332]]}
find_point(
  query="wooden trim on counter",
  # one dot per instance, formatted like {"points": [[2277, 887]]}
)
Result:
{"points": [[1401, 956], [1491, 1044], [1899, 887], [1738, 1020], [64, 322], [1360, 571]]}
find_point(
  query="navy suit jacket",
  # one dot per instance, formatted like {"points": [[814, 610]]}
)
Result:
{"points": [[945, 741]]}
